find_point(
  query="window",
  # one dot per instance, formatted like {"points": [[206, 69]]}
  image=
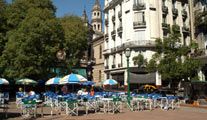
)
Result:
{"points": [[94, 14], [99, 76], [107, 61], [100, 52], [173, 3], [163, 2], [174, 21], [98, 14], [107, 76], [164, 19], [107, 44], [121, 59], [114, 60], [98, 26], [94, 27], [139, 17], [136, 2]]}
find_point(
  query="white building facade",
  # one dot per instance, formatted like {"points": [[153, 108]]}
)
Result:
{"points": [[136, 24]]}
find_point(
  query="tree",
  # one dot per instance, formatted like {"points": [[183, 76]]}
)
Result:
{"points": [[76, 40], [140, 61], [172, 59], [200, 18], [34, 37], [3, 27]]}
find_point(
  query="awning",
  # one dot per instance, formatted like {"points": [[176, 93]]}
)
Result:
{"points": [[142, 78], [80, 71]]}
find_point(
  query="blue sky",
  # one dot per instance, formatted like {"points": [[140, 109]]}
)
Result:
{"points": [[74, 7]]}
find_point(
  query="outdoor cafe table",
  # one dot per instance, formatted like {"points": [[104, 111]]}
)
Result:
{"points": [[138, 101], [107, 102]]}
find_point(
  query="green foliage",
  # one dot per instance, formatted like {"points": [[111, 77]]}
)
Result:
{"points": [[200, 18], [172, 59], [31, 35], [76, 40], [140, 61], [34, 37], [3, 27]]}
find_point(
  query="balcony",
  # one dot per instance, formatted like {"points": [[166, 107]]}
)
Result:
{"points": [[107, 67], [106, 22], [175, 12], [139, 6], [106, 51], [113, 50], [113, 18], [113, 34], [185, 29], [106, 36], [134, 44], [139, 24], [113, 66], [165, 26], [164, 9], [120, 14], [120, 65], [119, 30], [184, 13]]}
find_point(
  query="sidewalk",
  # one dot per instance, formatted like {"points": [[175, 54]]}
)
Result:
{"points": [[184, 113]]}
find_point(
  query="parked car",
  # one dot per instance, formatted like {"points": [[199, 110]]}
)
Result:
{"points": [[164, 92], [97, 89]]}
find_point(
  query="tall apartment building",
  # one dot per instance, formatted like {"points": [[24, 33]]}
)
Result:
{"points": [[136, 24], [199, 33]]}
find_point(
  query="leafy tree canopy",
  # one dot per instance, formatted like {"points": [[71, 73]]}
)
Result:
{"points": [[172, 59], [140, 60], [76, 39], [34, 38]]}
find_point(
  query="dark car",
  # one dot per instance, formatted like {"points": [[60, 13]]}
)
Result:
{"points": [[163, 92], [97, 89]]}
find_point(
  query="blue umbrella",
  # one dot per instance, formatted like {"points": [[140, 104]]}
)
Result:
{"points": [[88, 83]]}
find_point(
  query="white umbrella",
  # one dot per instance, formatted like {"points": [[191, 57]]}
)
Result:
{"points": [[72, 79], [3, 81], [53, 81], [110, 82]]}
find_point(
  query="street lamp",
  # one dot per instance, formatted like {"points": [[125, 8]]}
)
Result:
{"points": [[127, 53]]}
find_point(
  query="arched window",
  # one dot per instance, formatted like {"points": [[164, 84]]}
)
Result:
{"points": [[100, 52], [98, 14], [94, 13], [98, 26], [99, 76], [94, 27]]}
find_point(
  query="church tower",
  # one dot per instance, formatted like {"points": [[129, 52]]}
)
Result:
{"points": [[85, 18], [96, 21]]}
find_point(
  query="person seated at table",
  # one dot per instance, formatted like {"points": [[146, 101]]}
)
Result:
{"points": [[20, 89], [85, 92], [92, 93], [80, 91], [31, 93], [64, 90]]}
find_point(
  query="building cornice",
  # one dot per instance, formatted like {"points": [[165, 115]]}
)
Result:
{"points": [[112, 4]]}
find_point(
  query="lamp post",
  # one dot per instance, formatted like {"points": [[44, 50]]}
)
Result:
{"points": [[127, 53]]}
